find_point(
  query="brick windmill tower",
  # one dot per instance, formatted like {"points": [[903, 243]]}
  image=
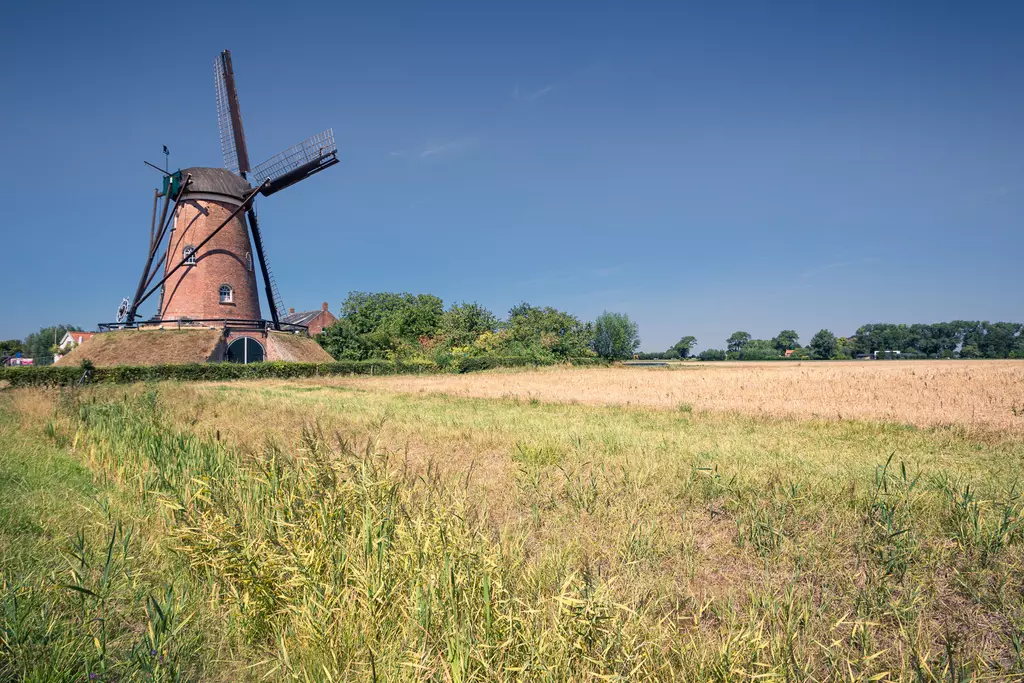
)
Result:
{"points": [[207, 244], [219, 282]]}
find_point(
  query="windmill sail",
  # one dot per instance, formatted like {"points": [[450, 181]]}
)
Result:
{"points": [[297, 163], [273, 294], [229, 116]]}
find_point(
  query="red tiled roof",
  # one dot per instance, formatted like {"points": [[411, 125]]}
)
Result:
{"points": [[80, 337]]}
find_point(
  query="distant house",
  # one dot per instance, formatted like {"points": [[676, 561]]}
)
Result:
{"points": [[316, 321], [73, 339], [69, 341], [789, 352]]}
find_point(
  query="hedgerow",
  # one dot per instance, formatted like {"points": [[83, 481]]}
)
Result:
{"points": [[127, 374], [53, 375]]}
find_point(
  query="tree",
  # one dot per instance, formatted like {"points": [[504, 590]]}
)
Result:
{"points": [[787, 340], [968, 333], [712, 354], [759, 349], [823, 344], [343, 342], [844, 347], [546, 331], [683, 346], [463, 323], [999, 340], [41, 345], [406, 316], [11, 347], [615, 336], [737, 341]]}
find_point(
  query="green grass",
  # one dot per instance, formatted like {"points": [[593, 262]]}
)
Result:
{"points": [[87, 592], [277, 531]]}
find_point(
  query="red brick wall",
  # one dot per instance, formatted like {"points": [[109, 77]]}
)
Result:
{"points": [[194, 291], [317, 324]]}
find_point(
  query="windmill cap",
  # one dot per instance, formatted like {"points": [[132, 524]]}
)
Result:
{"points": [[215, 181]]}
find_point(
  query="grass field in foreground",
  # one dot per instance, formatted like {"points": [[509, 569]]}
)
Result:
{"points": [[317, 532]]}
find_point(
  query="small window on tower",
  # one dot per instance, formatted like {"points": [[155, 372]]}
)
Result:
{"points": [[248, 260], [189, 254], [225, 294]]}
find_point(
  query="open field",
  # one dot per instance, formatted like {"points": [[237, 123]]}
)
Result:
{"points": [[518, 526], [986, 394]]}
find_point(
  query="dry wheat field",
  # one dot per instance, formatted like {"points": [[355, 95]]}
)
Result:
{"points": [[975, 393], [768, 522]]}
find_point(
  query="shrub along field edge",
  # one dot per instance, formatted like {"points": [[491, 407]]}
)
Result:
{"points": [[126, 374]]}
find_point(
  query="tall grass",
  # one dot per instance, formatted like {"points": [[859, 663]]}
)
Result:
{"points": [[326, 555]]}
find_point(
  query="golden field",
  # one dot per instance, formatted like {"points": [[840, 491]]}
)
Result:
{"points": [[721, 522], [984, 393]]}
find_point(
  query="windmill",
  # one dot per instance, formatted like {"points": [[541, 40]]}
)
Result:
{"points": [[202, 241]]}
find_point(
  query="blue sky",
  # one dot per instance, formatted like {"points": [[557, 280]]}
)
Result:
{"points": [[702, 167]]}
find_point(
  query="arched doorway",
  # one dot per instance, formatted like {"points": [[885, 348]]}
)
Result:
{"points": [[245, 350]]}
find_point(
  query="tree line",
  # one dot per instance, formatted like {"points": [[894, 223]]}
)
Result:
{"points": [[41, 345], [403, 326], [956, 339]]}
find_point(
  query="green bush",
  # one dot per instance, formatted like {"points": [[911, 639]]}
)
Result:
{"points": [[52, 375], [126, 374], [40, 375], [759, 354], [586, 361], [477, 363]]}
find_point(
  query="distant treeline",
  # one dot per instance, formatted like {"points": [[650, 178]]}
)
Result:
{"points": [[410, 327], [39, 345], [956, 339]]}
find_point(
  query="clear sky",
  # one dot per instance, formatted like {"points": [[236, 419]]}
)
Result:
{"points": [[703, 167]]}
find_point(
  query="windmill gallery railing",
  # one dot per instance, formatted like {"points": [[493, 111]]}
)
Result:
{"points": [[192, 323]]}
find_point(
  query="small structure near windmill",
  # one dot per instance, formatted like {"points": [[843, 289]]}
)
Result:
{"points": [[73, 338], [70, 340], [206, 245], [314, 321]]}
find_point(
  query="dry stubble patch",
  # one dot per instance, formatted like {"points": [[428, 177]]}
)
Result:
{"points": [[973, 394]]}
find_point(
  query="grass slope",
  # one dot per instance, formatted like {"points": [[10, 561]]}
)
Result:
{"points": [[297, 348], [146, 347]]}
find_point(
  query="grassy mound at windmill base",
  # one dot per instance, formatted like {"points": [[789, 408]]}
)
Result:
{"points": [[296, 348], [146, 347]]}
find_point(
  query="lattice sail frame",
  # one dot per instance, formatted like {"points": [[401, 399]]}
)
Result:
{"points": [[317, 147], [227, 131]]}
